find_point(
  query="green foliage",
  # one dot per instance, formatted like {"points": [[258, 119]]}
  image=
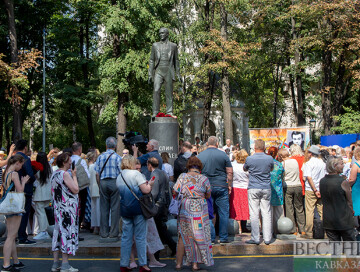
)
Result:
{"points": [[349, 122]]}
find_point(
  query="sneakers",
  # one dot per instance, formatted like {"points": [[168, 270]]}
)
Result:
{"points": [[252, 242], [56, 267], [26, 242], [42, 236], [224, 242], [20, 265], [71, 269], [10, 268]]}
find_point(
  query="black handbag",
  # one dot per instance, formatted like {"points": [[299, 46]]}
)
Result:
{"points": [[49, 210], [147, 204]]}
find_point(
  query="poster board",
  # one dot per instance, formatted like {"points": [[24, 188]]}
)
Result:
{"points": [[280, 136]]}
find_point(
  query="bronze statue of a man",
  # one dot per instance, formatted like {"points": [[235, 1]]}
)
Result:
{"points": [[163, 64]]}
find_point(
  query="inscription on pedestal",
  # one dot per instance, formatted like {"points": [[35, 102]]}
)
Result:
{"points": [[166, 131]]}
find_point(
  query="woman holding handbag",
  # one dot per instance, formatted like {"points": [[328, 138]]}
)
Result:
{"points": [[134, 223], [13, 183]]}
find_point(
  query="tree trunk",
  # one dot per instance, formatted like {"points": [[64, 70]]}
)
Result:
{"points": [[326, 90], [300, 119], [121, 124], [276, 95], [209, 90], [209, 87], [85, 70], [122, 97], [225, 81], [292, 89], [17, 118], [341, 88], [7, 131]]}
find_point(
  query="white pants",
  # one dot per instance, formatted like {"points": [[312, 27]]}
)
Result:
{"points": [[95, 212], [259, 199], [41, 215]]}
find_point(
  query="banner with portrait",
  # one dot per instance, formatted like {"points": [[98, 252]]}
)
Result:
{"points": [[281, 137]]}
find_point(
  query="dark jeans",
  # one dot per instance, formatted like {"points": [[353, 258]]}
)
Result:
{"points": [[24, 220], [338, 235], [220, 196], [82, 200]]}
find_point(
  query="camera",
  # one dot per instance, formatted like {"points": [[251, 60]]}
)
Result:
{"points": [[134, 138]]}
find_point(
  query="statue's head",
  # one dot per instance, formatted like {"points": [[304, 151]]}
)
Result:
{"points": [[163, 33]]}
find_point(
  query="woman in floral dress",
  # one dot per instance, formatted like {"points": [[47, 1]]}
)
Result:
{"points": [[65, 189], [193, 219]]}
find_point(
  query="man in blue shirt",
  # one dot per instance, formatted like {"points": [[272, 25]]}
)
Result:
{"points": [[152, 148], [109, 193], [259, 166], [218, 169], [21, 147]]}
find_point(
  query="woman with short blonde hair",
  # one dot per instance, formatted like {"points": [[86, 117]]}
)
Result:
{"points": [[128, 162]]}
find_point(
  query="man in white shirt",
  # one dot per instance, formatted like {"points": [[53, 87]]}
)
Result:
{"points": [[77, 150], [313, 171]]}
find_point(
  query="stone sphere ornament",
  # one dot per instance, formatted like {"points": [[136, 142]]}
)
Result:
{"points": [[233, 227], [285, 225]]}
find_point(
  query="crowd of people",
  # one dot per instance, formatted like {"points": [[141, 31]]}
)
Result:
{"points": [[98, 191]]}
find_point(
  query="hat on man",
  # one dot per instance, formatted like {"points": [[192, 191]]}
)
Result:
{"points": [[2, 153], [314, 149]]}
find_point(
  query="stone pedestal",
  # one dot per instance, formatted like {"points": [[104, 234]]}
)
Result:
{"points": [[166, 131]]}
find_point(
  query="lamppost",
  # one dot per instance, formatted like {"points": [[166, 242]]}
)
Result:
{"points": [[312, 128]]}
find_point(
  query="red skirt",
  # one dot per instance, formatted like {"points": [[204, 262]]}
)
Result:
{"points": [[239, 205]]}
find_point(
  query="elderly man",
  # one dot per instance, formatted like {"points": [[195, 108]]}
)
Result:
{"points": [[152, 148], [125, 152], [107, 169], [259, 166], [313, 171], [218, 169]]}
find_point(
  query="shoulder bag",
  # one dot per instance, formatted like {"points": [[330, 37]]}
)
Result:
{"points": [[81, 175], [147, 204], [12, 202], [175, 203]]}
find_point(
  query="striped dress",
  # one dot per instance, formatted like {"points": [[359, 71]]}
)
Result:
{"points": [[193, 219]]}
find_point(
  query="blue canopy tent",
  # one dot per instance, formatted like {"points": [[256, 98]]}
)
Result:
{"points": [[342, 140]]}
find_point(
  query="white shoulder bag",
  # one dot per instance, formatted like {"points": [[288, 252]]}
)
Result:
{"points": [[12, 202]]}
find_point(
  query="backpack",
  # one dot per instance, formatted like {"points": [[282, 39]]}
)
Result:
{"points": [[81, 175]]}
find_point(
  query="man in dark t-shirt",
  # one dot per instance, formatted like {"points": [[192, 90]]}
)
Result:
{"points": [[218, 169]]}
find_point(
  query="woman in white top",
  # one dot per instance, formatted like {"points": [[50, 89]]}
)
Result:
{"points": [[94, 192], [166, 166], [292, 191], [239, 205], [42, 196]]}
